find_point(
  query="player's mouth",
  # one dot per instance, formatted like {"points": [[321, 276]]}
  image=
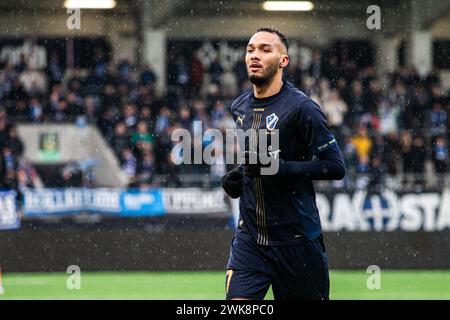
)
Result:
{"points": [[255, 67]]}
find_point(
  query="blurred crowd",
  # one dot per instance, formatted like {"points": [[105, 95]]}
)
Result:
{"points": [[15, 171], [394, 124]]}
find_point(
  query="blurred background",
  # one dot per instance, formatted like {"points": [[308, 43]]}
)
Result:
{"points": [[91, 91]]}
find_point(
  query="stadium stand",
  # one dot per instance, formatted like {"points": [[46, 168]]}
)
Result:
{"points": [[393, 127]]}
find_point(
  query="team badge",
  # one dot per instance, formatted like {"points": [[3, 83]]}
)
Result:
{"points": [[271, 121]]}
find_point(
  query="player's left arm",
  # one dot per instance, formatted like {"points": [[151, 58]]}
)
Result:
{"points": [[313, 129]]}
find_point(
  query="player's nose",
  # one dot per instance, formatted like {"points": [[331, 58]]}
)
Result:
{"points": [[254, 56]]}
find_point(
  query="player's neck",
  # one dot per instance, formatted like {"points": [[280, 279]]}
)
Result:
{"points": [[267, 90]]}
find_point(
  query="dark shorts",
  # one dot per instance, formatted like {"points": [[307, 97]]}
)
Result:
{"points": [[295, 271]]}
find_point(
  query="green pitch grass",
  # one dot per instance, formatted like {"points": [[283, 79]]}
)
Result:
{"points": [[210, 285]]}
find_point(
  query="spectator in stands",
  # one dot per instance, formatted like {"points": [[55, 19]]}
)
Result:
{"points": [[397, 96], [389, 117], [22, 64], [110, 98], [363, 166], [129, 116], [163, 120], [419, 157], [107, 123], [8, 169], [61, 113], [54, 70], [406, 150], [349, 155], [128, 163], [372, 96], [146, 115], [141, 135], [437, 121], [391, 152], [8, 76], [74, 105], [440, 155], [121, 139], [335, 108], [145, 168], [56, 95], [200, 116], [148, 76], [416, 107], [357, 106], [36, 110], [26, 176], [181, 73], [376, 172], [3, 127], [17, 92], [34, 82], [100, 66], [362, 142], [185, 118], [14, 142], [141, 96], [90, 111], [324, 89], [124, 69]]}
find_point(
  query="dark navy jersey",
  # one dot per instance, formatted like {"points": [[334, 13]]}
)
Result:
{"points": [[281, 210]]}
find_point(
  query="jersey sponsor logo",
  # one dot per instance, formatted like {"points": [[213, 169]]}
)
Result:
{"points": [[320, 148], [271, 121], [240, 119]]}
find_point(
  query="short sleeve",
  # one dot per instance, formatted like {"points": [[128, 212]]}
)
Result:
{"points": [[313, 128]]}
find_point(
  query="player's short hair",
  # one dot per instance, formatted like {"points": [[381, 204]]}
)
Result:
{"points": [[282, 37]]}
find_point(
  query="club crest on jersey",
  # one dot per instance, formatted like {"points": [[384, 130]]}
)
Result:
{"points": [[271, 121]]}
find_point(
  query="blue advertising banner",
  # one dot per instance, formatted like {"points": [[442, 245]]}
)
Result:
{"points": [[140, 203], [44, 202], [117, 202], [9, 217]]}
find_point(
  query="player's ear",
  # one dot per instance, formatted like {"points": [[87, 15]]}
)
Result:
{"points": [[284, 62]]}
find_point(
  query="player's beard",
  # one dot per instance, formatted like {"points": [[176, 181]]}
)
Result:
{"points": [[266, 77]]}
